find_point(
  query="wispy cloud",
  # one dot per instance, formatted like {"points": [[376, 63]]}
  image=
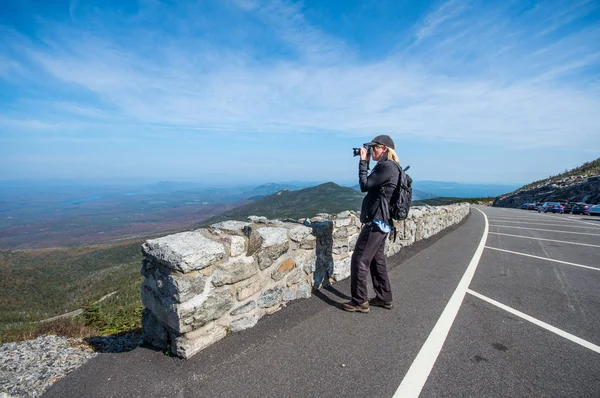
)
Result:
{"points": [[472, 74]]}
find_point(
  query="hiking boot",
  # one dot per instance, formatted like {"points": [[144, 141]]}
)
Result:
{"points": [[350, 306], [377, 302]]}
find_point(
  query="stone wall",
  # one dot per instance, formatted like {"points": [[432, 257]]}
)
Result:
{"points": [[201, 285]]}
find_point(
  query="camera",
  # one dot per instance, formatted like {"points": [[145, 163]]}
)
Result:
{"points": [[367, 147]]}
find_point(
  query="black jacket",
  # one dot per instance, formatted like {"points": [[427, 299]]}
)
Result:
{"points": [[380, 185]]}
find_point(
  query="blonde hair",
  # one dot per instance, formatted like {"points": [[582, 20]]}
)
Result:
{"points": [[392, 155]]}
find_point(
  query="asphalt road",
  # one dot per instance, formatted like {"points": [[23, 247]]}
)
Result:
{"points": [[473, 316]]}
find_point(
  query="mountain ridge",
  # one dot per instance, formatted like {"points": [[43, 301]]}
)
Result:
{"points": [[580, 184]]}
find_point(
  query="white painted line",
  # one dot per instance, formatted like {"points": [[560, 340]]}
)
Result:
{"points": [[549, 240], [544, 224], [543, 258], [547, 230], [588, 223], [537, 322], [419, 371], [535, 219]]}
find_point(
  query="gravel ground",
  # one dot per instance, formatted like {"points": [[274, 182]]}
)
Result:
{"points": [[28, 368]]}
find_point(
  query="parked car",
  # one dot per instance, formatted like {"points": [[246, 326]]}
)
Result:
{"points": [[532, 206], [580, 208], [594, 210], [553, 207], [524, 206], [569, 207]]}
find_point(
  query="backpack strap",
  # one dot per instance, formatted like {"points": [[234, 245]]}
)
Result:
{"points": [[384, 203]]}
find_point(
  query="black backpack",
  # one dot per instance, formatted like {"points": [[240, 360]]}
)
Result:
{"points": [[400, 201], [402, 196]]}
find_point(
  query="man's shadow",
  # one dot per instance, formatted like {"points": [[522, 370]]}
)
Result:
{"points": [[322, 296]]}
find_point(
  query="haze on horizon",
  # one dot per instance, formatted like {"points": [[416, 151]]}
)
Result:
{"points": [[243, 90]]}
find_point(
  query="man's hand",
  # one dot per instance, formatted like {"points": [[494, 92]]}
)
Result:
{"points": [[364, 154]]}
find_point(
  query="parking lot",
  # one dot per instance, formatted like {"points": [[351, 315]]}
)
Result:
{"points": [[529, 324]]}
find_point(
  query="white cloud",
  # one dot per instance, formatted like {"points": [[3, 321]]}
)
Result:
{"points": [[481, 81]]}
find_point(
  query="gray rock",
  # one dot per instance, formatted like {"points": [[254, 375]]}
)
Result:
{"points": [[147, 268], [245, 289], [284, 268], [270, 297], [294, 277], [234, 270], [213, 307], [273, 236], [306, 260], [266, 256], [153, 332], [184, 346], [190, 315], [341, 268], [230, 226], [179, 287], [308, 243], [237, 244], [244, 308], [304, 290], [244, 322], [254, 240], [298, 232], [185, 251], [258, 219]]}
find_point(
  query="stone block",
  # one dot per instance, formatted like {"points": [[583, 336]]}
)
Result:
{"points": [[232, 226], [201, 310], [304, 290], [284, 268], [188, 344], [236, 243], [270, 297], [254, 240], [235, 270], [341, 268], [179, 287], [294, 277], [153, 332], [189, 315], [289, 294], [266, 256], [244, 308], [185, 251], [297, 233], [340, 246], [244, 322], [247, 288], [301, 290], [272, 236], [340, 233], [342, 222], [306, 260], [308, 243], [148, 268], [258, 219]]}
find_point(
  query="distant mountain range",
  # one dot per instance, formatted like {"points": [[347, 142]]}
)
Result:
{"points": [[271, 188], [325, 198], [307, 202]]}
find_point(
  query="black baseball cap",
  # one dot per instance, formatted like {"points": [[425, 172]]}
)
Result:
{"points": [[382, 140]]}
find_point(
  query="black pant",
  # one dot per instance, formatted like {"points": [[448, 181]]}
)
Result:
{"points": [[369, 255]]}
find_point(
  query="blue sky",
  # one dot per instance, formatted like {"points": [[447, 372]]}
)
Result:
{"points": [[244, 90]]}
